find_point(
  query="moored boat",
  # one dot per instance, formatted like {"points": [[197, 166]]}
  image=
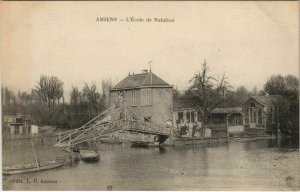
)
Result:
{"points": [[89, 155], [31, 167]]}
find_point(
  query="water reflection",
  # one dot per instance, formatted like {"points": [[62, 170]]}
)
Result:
{"points": [[162, 150], [256, 165], [272, 143]]}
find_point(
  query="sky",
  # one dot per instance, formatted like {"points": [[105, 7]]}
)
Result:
{"points": [[246, 41]]}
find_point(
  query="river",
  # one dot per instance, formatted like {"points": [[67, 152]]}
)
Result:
{"points": [[253, 165]]}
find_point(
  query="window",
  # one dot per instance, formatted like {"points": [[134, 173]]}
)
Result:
{"points": [[133, 98], [188, 117], [179, 117], [260, 116], [193, 117], [114, 97], [199, 116], [146, 97]]}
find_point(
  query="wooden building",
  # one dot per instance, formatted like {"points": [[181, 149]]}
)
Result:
{"points": [[16, 124], [184, 116], [256, 111], [148, 94], [226, 121]]}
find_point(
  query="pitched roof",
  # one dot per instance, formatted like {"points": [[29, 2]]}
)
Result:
{"points": [[266, 100], [140, 80]]}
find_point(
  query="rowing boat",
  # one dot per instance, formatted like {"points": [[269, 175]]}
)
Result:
{"points": [[89, 155], [31, 167]]}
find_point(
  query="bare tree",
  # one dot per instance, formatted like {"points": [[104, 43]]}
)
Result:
{"points": [[107, 85], [237, 97], [208, 91], [91, 95], [75, 96], [50, 90], [8, 97]]}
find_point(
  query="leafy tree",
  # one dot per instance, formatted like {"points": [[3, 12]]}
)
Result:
{"points": [[275, 85], [238, 97], [286, 110]]}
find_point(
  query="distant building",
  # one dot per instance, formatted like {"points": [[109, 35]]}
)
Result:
{"points": [[19, 124], [148, 94], [256, 110]]}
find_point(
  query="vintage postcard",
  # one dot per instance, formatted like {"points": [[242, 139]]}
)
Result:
{"points": [[161, 95]]}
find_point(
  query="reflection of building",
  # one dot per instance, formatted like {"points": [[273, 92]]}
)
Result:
{"points": [[256, 110], [148, 94], [223, 121]]}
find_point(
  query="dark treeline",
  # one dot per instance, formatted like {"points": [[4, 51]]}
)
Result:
{"points": [[46, 103]]}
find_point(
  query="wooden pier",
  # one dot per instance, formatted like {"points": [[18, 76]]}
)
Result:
{"points": [[199, 141]]}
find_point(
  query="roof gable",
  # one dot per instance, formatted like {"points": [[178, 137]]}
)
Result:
{"points": [[139, 80], [266, 100]]}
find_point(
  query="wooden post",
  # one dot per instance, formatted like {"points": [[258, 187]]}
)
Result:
{"points": [[98, 150], [277, 127], [256, 114], [227, 124], [36, 161]]}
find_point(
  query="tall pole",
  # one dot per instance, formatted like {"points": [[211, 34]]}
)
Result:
{"points": [[36, 161], [277, 127]]}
